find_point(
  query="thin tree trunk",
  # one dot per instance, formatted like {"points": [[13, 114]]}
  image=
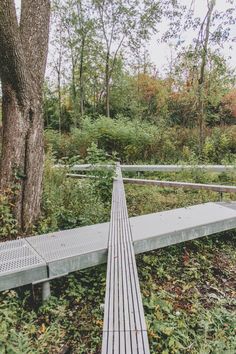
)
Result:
{"points": [[81, 77], [74, 92], [201, 85], [59, 99], [107, 85], [58, 69]]}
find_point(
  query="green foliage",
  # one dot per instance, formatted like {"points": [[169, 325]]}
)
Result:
{"points": [[12, 339], [21, 329], [96, 155], [103, 177], [188, 294], [187, 309], [135, 141], [188, 289], [67, 202], [217, 147], [8, 224], [146, 199]]}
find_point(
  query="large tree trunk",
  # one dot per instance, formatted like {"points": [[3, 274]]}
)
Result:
{"points": [[23, 52]]}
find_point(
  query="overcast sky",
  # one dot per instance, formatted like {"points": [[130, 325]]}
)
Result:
{"points": [[160, 53]]}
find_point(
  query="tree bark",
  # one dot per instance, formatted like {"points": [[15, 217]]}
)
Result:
{"points": [[81, 76], [23, 53], [59, 74], [107, 84]]}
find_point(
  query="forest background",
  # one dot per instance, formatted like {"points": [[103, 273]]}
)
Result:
{"points": [[106, 99], [100, 67]]}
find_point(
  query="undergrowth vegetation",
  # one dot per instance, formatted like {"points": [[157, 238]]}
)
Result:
{"points": [[188, 290], [104, 101], [189, 299], [189, 296], [134, 141], [69, 203]]}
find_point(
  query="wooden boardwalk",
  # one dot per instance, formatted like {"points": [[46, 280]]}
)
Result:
{"points": [[124, 329]]}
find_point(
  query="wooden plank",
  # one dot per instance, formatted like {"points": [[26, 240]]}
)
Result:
{"points": [[124, 329]]}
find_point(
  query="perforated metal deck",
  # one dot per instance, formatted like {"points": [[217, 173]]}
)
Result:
{"points": [[20, 264], [26, 260], [124, 329], [70, 250]]}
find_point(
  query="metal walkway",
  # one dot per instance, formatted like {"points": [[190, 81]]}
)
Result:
{"points": [[124, 329], [43, 257]]}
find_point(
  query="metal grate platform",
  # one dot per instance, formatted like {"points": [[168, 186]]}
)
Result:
{"points": [[166, 228], [20, 264], [124, 329], [70, 250], [230, 205]]}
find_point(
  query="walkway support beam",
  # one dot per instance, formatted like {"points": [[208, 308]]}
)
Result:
{"points": [[46, 291]]}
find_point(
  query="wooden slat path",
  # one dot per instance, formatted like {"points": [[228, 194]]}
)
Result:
{"points": [[124, 329]]}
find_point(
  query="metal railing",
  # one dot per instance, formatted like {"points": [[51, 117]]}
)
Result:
{"points": [[158, 168], [186, 185]]}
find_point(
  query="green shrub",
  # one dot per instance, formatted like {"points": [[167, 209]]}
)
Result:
{"points": [[217, 146], [68, 202], [8, 223], [136, 141]]}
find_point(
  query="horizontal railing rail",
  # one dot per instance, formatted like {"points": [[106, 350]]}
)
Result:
{"points": [[152, 168], [186, 185], [172, 184], [177, 168]]}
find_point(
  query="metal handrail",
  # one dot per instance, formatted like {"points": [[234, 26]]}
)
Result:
{"points": [[186, 185]]}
